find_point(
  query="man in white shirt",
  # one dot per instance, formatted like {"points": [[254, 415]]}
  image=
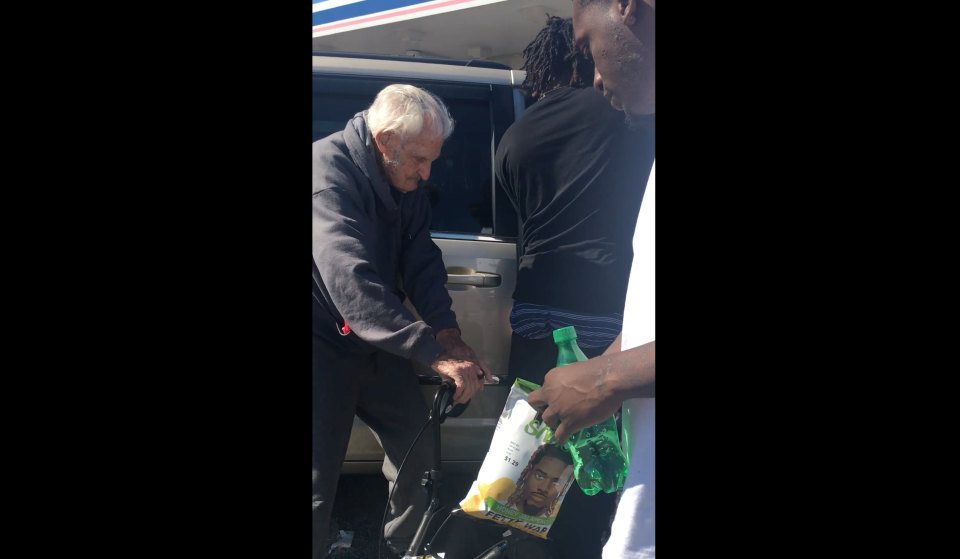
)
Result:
{"points": [[619, 36]]}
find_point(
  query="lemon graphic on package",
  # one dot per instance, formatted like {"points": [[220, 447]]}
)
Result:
{"points": [[501, 489]]}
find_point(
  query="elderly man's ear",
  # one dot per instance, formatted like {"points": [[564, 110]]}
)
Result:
{"points": [[384, 139]]}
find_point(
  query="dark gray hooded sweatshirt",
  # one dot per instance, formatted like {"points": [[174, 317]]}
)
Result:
{"points": [[366, 237]]}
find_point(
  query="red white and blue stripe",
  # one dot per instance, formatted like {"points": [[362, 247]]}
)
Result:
{"points": [[337, 16]]}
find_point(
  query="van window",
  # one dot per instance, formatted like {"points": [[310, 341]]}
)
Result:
{"points": [[460, 186]]}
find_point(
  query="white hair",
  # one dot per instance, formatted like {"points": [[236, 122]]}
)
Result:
{"points": [[407, 110]]}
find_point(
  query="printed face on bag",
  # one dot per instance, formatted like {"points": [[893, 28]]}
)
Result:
{"points": [[543, 485], [538, 489]]}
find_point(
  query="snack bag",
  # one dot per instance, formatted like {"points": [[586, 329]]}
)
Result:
{"points": [[525, 475]]}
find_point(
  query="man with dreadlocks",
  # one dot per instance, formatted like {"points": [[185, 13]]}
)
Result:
{"points": [[569, 166], [539, 485]]}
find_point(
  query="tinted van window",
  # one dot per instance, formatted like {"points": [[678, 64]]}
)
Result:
{"points": [[460, 182]]}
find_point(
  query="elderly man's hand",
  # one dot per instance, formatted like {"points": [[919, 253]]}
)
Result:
{"points": [[450, 339], [466, 375]]}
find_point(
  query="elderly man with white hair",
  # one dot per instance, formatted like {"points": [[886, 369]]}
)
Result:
{"points": [[371, 228]]}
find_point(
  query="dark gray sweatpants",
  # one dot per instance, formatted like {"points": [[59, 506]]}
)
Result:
{"points": [[383, 391]]}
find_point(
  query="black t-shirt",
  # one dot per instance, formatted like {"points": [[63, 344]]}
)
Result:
{"points": [[576, 176]]}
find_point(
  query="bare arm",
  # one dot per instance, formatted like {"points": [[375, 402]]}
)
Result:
{"points": [[615, 346], [632, 373]]}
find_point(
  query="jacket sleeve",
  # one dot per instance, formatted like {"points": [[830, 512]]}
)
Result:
{"points": [[421, 267], [343, 241]]}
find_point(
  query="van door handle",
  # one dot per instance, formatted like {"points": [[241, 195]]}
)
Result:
{"points": [[478, 279]]}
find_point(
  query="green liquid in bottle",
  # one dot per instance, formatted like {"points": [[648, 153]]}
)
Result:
{"points": [[598, 462]]}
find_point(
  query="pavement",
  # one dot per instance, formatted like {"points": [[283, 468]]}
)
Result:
{"points": [[359, 505]]}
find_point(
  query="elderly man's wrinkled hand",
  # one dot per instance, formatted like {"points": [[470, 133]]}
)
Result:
{"points": [[450, 340], [466, 375]]}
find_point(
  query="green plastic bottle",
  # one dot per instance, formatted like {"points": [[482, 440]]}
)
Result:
{"points": [[598, 462]]}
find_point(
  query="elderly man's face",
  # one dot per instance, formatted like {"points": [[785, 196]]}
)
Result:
{"points": [[407, 162]]}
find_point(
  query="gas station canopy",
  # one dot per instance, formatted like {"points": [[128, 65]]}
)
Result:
{"points": [[495, 30]]}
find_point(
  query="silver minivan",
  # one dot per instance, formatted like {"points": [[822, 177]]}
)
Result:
{"points": [[474, 223]]}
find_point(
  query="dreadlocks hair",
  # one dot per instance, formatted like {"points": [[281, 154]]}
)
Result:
{"points": [[551, 56], [545, 450]]}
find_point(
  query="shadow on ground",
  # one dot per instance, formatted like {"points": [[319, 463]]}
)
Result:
{"points": [[359, 505]]}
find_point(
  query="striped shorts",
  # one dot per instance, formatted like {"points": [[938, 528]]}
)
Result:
{"points": [[535, 322]]}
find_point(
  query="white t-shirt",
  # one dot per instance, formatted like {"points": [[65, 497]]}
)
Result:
{"points": [[632, 536]]}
